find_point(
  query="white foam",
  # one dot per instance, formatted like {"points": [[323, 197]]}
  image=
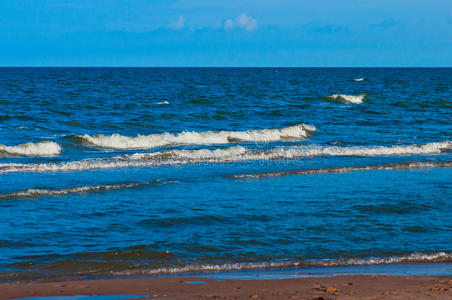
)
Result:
{"points": [[117, 141], [239, 153], [226, 154], [82, 189], [82, 165], [410, 258], [359, 79], [414, 257], [229, 154], [348, 98], [162, 103], [44, 148]]}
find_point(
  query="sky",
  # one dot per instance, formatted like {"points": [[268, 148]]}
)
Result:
{"points": [[226, 33]]}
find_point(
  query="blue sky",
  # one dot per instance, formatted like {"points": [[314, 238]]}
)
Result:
{"points": [[226, 33]]}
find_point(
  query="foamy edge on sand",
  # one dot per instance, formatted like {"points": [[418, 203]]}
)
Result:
{"points": [[411, 258]]}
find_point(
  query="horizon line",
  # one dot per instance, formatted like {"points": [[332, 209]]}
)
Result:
{"points": [[242, 67]]}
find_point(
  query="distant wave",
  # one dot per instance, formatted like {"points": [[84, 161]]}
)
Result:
{"points": [[117, 141], [359, 79], [410, 258], [44, 148], [229, 154], [76, 190], [398, 166], [348, 98], [161, 103]]}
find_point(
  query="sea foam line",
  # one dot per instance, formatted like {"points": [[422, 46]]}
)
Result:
{"points": [[30, 193], [44, 148], [410, 258], [116, 141], [400, 166], [239, 153], [225, 155]]}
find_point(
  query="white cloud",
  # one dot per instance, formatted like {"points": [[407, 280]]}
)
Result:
{"points": [[242, 21], [179, 24]]}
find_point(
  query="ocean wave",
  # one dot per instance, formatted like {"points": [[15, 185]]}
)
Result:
{"points": [[44, 148], [399, 166], [229, 154], [81, 165], [239, 153], [359, 79], [437, 257], [116, 141], [348, 98], [31, 193]]}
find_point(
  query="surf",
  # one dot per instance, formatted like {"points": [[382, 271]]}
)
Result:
{"points": [[226, 155], [117, 141], [44, 148], [416, 257]]}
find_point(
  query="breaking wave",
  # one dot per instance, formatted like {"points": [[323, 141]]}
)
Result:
{"points": [[239, 153], [229, 154], [359, 79], [117, 141], [411, 258], [44, 148], [348, 98], [30, 193]]}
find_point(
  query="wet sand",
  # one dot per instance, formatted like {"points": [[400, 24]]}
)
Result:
{"points": [[174, 288]]}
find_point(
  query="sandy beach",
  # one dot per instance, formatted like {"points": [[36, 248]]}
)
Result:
{"points": [[225, 150], [340, 287]]}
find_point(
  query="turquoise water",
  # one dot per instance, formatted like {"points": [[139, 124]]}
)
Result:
{"points": [[123, 171]]}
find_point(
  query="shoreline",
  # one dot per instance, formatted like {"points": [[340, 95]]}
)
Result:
{"points": [[187, 287]]}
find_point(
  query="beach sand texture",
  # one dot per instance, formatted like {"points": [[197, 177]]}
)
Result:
{"points": [[340, 287]]}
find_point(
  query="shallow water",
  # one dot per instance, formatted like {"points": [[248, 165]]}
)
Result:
{"points": [[426, 269], [123, 171]]}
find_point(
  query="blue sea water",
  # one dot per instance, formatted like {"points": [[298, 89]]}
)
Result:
{"points": [[129, 171]]}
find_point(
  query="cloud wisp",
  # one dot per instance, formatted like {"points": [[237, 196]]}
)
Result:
{"points": [[179, 24], [242, 21], [385, 24]]}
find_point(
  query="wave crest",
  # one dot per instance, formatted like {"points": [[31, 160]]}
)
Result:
{"points": [[348, 98], [30, 193], [162, 103], [399, 166], [117, 141], [44, 148], [239, 153], [230, 154]]}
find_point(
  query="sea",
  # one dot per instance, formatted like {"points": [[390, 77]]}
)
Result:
{"points": [[110, 172]]}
